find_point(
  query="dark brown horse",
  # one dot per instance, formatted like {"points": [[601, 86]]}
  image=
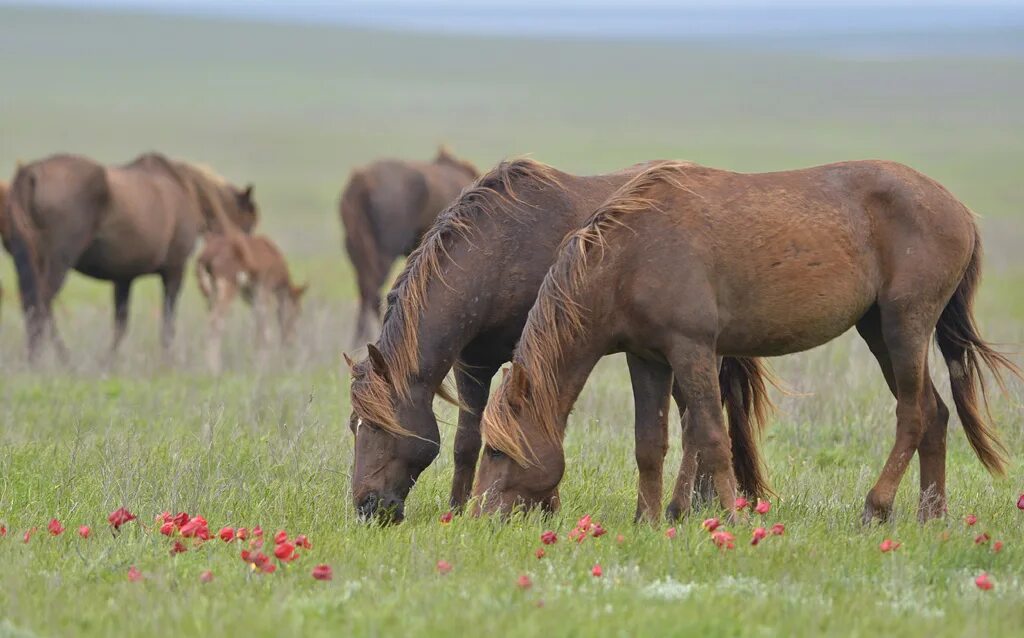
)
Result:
{"points": [[3, 227], [685, 264], [115, 224], [460, 303], [385, 209]]}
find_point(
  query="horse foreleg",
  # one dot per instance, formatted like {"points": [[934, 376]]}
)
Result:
{"points": [[221, 295], [122, 293], [652, 383], [172, 290], [473, 390]]}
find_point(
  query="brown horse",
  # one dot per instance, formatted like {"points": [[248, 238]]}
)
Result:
{"points": [[685, 264], [224, 268], [3, 226], [115, 224], [460, 303], [385, 209]]}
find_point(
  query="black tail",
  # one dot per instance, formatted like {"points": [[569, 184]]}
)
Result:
{"points": [[965, 352], [744, 386]]}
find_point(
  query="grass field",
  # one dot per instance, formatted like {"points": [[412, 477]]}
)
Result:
{"points": [[292, 109]]}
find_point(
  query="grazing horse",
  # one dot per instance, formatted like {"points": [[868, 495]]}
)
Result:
{"points": [[115, 224], [385, 209], [685, 264], [3, 225], [224, 268], [460, 303]]}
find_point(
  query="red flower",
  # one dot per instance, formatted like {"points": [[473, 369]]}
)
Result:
{"points": [[619, 539], [888, 546], [242, 533], [302, 541], [443, 567], [84, 531], [711, 524], [446, 518], [549, 538], [981, 539], [55, 528], [196, 527], [167, 528], [246, 555], [226, 534], [259, 561], [597, 531], [257, 531], [3, 531], [983, 582], [134, 575], [285, 551], [524, 582], [723, 539], [670, 532], [1020, 502], [763, 507], [778, 529], [280, 537], [997, 546], [970, 519], [119, 517], [741, 503], [164, 517], [596, 571], [583, 523], [540, 553], [178, 548], [28, 535], [759, 535], [323, 572], [206, 576], [180, 519]]}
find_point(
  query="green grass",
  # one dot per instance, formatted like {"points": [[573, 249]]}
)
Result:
{"points": [[292, 109]]}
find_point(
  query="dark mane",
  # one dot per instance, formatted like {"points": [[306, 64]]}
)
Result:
{"points": [[558, 317], [494, 192]]}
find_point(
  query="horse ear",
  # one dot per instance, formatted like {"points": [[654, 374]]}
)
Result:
{"points": [[247, 193], [348, 361], [298, 291], [518, 384], [380, 366]]}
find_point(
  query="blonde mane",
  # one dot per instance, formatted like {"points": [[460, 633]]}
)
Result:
{"points": [[495, 192], [558, 317]]}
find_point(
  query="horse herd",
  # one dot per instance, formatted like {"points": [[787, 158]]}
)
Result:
{"points": [[694, 273]]}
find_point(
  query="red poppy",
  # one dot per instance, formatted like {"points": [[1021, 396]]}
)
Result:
{"points": [[446, 518], [549, 538], [164, 517], [670, 532], [597, 531], [524, 582], [226, 534], [262, 562], [3, 531], [242, 534], [982, 539], [763, 507], [711, 524], [206, 576], [303, 542], [983, 582], [888, 545], [28, 535], [778, 529], [55, 528], [997, 546], [178, 548], [180, 519], [119, 517], [196, 527], [84, 531], [596, 571], [167, 528], [1020, 502], [540, 553], [285, 551], [134, 575], [741, 503], [257, 531], [443, 567], [759, 535], [246, 555], [323, 572], [723, 539], [280, 537], [970, 519]]}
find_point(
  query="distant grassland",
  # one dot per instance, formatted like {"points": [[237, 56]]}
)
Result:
{"points": [[293, 109]]}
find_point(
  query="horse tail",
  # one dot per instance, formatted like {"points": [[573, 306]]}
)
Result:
{"points": [[360, 238], [965, 352], [744, 386], [23, 242]]}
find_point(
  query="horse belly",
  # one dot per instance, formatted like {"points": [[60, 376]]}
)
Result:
{"points": [[126, 246]]}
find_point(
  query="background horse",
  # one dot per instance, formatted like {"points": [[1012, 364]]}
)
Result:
{"points": [[224, 268], [685, 264], [3, 228], [385, 209], [461, 302], [115, 224]]}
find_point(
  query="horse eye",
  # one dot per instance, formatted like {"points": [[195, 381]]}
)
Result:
{"points": [[493, 453]]}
